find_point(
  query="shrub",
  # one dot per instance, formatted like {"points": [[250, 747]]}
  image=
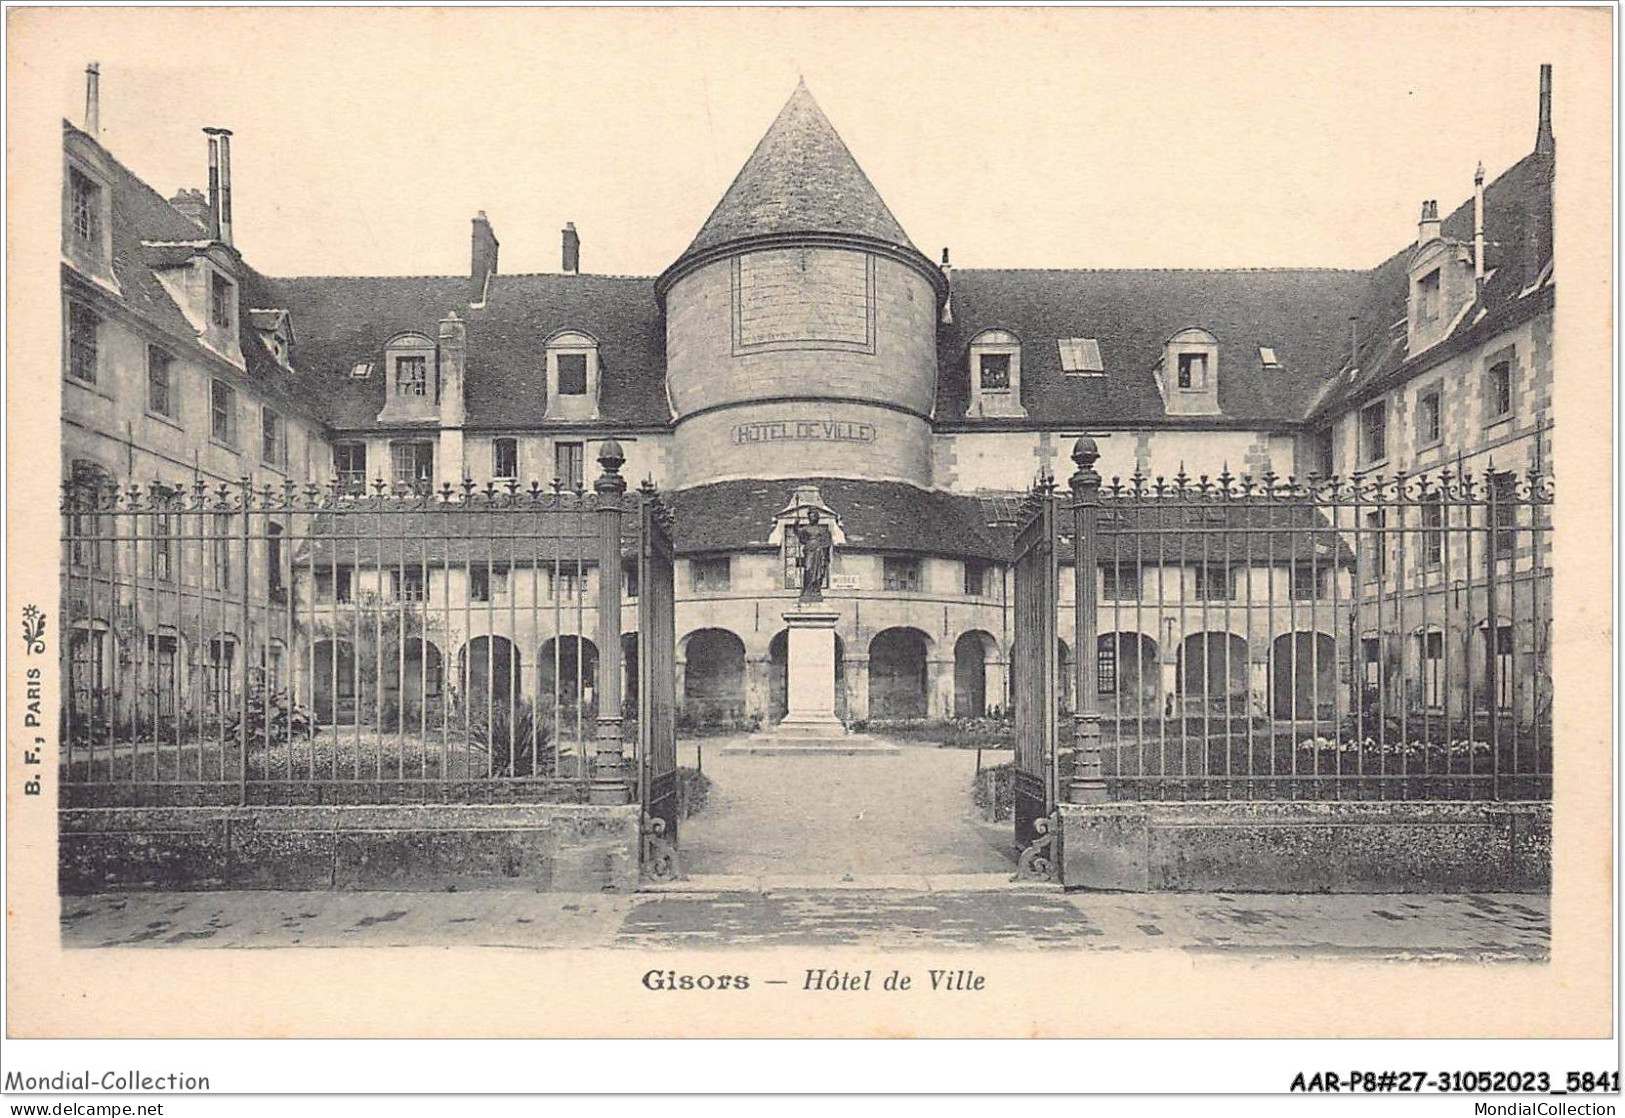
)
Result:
{"points": [[517, 725]]}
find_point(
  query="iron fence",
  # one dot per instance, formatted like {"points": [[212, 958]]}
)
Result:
{"points": [[234, 644], [1274, 638]]}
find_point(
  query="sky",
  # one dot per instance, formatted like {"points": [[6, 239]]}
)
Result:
{"points": [[365, 139]]}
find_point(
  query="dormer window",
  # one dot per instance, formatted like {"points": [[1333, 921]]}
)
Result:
{"points": [[412, 376], [85, 210], [1427, 297], [572, 376], [995, 371], [1188, 375], [995, 364], [1267, 358], [412, 391], [222, 302], [1193, 371]]}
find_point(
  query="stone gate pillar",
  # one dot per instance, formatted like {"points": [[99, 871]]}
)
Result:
{"points": [[939, 687]]}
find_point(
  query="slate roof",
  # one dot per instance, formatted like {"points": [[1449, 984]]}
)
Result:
{"points": [[874, 515], [1301, 313], [1195, 530], [1518, 251], [414, 532], [341, 321], [800, 179], [147, 232]]}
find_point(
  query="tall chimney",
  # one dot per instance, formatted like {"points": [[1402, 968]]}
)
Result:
{"points": [[1354, 340], [1478, 227], [93, 99], [219, 183], [946, 318], [1427, 229], [572, 250], [482, 258], [1545, 143]]}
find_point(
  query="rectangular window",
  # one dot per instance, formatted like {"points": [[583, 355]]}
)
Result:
{"points": [[1307, 582], [1432, 531], [273, 562], [273, 438], [1325, 459], [1374, 433], [1214, 583], [486, 582], [1504, 682], [1498, 390], [565, 583], [1119, 581], [505, 458], [163, 656], [160, 390], [411, 376], [975, 578], [900, 573], [223, 413], [350, 466], [84, 342], [1504, 503], [87, 651], [1375, 545], [1429, 428], [572, 374], [218, 675], [220, 552], [568, 464], [86, 525], [1427, 297], [629, 578], [1432, 665], [222, 309], [333, 585], [709, 574], [412, 466], [406, 584], [1106, 667], [1371, 655], [85, 211], [995, 371], [163, 541], [1192, 370]]}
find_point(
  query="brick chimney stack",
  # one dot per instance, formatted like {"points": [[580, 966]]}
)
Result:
{"points": [[1545, 142], [193, 205], [219, 183], [93, 99], [482, 259], [1427, 229], [572, 250]]}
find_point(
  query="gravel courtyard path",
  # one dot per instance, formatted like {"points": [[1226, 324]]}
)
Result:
{"points": [[827, 814]]}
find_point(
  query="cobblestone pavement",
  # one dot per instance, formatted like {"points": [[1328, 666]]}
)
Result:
{"points": [[952, 913], [909, 812]]}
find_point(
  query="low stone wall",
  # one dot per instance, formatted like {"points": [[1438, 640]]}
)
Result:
{"points": [[576, 848], [1335, 847]]}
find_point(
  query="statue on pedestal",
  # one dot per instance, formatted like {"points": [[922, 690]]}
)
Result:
{"points": [[816, 545]]}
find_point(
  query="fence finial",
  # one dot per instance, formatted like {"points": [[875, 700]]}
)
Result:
{"points": [[611, 458]]}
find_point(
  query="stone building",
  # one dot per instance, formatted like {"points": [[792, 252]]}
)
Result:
{"points": [[802, 353]]}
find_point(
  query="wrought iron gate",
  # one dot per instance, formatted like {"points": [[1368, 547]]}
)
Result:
{"points": [[1036, 779], [658, 782]]}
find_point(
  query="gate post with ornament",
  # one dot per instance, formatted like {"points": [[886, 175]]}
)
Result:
{"points": [[1088, 784]]}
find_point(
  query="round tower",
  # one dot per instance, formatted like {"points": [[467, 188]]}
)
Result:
{"points": [[801, 322]]}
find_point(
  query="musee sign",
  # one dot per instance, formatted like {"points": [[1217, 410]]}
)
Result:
{"points": [[805, 430]]}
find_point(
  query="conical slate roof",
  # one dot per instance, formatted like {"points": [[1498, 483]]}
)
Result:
{"points": [[800, 179]]}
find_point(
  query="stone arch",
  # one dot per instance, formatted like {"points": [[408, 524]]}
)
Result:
{"points": [[713, 676], [972, 651], [1212, 667], [897, 673], [567, 674], [1303, 676], [488, 671], [1127, 671], [334, 686], [778, 676]]}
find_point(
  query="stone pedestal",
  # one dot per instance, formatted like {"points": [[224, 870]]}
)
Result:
{"points": [[810, 690]]}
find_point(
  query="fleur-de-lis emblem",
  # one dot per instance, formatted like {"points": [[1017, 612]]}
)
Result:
{"points": [[34, 630]]}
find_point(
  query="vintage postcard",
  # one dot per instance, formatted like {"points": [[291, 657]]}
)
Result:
{"points": [[810, 523]]}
